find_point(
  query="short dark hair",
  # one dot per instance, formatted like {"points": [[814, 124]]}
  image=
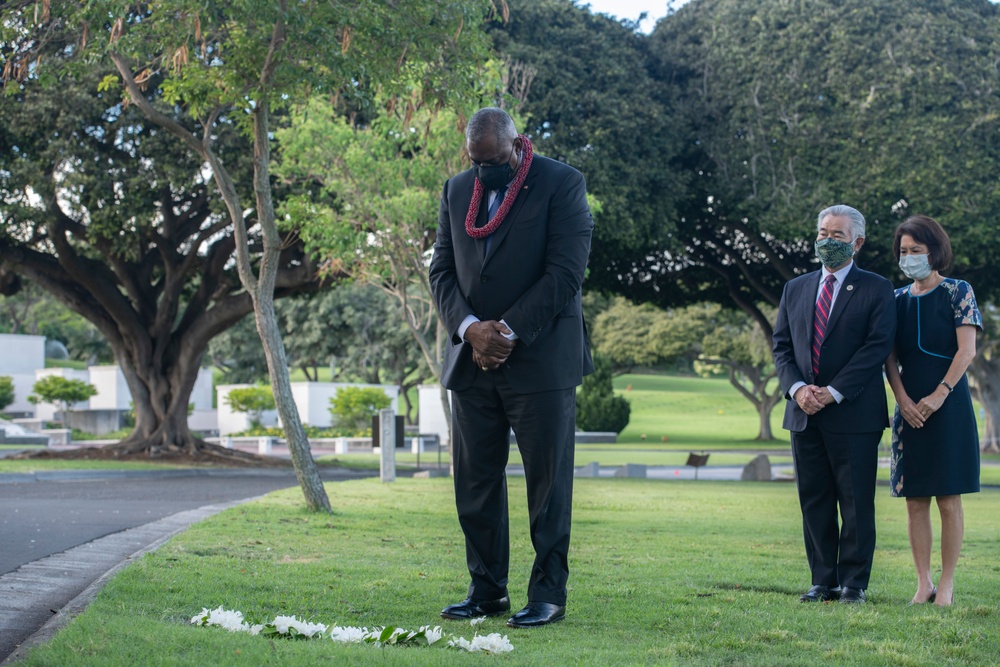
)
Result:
{"points": [[493, 122], [925, 230]]}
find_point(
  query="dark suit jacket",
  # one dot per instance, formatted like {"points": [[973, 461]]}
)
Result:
{"points": [[859, 338], [531, 278]]}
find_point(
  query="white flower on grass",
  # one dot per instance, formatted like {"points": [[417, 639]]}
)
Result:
{"points": [[292, 626], [284, 623], [349, 635], [433, 634], [460, 642], [229, 619], [476, 621], [491, 643]]}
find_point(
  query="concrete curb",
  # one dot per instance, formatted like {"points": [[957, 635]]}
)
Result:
{"points": [[38, 581], [98, 474]]}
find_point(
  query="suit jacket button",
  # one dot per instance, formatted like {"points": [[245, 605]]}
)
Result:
{"points": [[482, 279]]}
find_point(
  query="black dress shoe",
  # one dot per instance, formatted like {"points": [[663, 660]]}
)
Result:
{"points": [[537, 613], [850, 595], [818, 593], [469, 608]]}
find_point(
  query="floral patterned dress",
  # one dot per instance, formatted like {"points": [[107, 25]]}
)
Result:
{"points": [[942, 458]]}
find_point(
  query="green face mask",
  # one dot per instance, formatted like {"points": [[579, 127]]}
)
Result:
{"points": [[834, 253]]}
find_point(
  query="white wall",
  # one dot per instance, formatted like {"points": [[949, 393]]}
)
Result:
{"points": [[21, 354], [234, 422], [432, 419], [201, 393], [112, 390]]}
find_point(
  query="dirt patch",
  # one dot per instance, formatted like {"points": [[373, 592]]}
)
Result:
{"points": [[210, 456]]}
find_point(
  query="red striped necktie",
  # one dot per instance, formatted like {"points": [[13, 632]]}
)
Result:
{"points": [[820, 320]]}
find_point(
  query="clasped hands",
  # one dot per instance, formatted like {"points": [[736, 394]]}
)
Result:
{"points": [[490, 347], [812, 399], [916, 414]]}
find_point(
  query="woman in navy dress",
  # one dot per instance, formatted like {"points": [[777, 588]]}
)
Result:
{"points": [[935, 443]]}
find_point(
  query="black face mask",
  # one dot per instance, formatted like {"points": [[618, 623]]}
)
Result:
{"points": [[494, 177]]}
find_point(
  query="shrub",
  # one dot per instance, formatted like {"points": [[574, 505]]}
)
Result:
{"points": [[353, 407], [61, 392], [6, 391], [251, 400], [597, 407]]}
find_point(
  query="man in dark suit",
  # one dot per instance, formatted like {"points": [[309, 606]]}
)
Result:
{"points": [[509, 259], [835, 329]]}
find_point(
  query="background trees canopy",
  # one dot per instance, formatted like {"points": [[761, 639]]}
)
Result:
{"points": [[241, 61], [116, 221], [711, 145], [885, 105], [704, 337], [370, 194], [591, 101]]}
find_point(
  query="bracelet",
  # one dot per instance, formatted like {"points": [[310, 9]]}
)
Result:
{"points": [[950, 388]]}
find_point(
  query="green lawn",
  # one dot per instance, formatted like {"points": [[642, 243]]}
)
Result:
{"points": [[684, 573], [693, 413]]}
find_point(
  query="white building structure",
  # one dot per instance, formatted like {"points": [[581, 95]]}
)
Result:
{"points": [[432, 419], [23, 359], [20, 357]]}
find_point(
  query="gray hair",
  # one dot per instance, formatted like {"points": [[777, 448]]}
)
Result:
{"points": [[490, 122], [852, 214]]}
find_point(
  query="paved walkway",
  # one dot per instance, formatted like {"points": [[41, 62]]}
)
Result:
{"points": [[65, 533]]}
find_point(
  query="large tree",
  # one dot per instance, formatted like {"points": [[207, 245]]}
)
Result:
{"points": [[885, 105], [592, 102], [121, 224], [245, 61]]}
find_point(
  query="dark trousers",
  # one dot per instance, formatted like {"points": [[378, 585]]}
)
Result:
{"points": [[544, 424], [834, 469]]}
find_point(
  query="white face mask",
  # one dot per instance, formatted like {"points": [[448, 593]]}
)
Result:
{"points": [[915, 267]]}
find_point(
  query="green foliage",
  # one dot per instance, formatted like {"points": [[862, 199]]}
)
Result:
{"points": [[61, 392], [621, 332], [57, 389], [591, 100], [6, 391], [251, 400], [597, 406], [893, 111], [355, 406]]}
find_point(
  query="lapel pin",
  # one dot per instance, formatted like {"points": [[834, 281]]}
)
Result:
{"points": [[850, 287]]}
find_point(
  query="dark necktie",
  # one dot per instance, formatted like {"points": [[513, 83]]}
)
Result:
{"points": [[492, 211], [820, 320]]}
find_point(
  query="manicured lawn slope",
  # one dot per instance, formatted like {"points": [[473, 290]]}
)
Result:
{"points": [[662, 573]]}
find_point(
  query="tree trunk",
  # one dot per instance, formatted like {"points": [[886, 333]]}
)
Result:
{"points": [[764, 412], [984, 376], [281, 386], [262, 292]]}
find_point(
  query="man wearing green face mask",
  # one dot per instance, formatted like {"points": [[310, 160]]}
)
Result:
{"points": [[834, 331]]}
